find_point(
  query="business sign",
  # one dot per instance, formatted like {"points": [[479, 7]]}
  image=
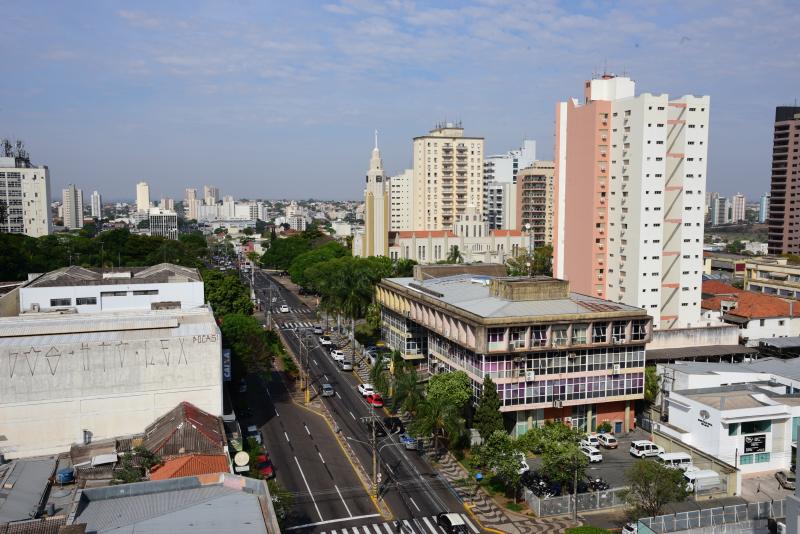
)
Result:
{"points": [[757, 443], [226, 365], [703, 419]]}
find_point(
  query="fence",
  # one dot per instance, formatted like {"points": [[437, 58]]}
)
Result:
{"points": [[596, 500], [711, 517]]}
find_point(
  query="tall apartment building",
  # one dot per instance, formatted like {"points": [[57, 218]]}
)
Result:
{"points": [[784, 209], [142, 197], [24, 198], [738, 203], [210, 195], [504, 167], [167, 204], [72, 201], [374, 241], [630, 189], [535, 202], [763, 208], [448, 176], [720, 211], [97, 205], [191, 203], [163, 223], [500, 205], [401, 201]]}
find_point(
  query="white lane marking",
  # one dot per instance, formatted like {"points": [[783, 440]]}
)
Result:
{"points": [[307, 486], [414, 503], [276, 412], [287, 436], [315, 362], [351, 415], [307, 430], [387, 529], [268, 393], [472, 527], [320, 457], [430, 525], [389, 467], [337, 394], [343, 501], [326, 378], [366, 530], [408, 526], [376, 529]]}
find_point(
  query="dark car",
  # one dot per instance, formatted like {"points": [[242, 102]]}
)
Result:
{"points": [[394, 424]]}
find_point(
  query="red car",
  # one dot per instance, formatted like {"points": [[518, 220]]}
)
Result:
{"points": [[264, 466], [375, 400]]}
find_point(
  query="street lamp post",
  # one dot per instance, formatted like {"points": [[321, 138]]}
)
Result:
{"points": [[376, 451], [529, 229]]}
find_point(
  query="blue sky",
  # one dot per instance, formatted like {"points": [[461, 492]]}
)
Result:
{"points": [[279, 99]]}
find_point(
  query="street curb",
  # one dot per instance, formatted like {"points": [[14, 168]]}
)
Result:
{"points": [[468, 508]]}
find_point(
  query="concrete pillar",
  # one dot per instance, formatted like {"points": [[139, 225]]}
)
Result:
{"points": [[628, 424], [589, 415]]}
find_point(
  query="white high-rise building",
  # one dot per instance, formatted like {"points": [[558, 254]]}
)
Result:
{"points": [[210, 195], [97, 205], [24, 198], [500, 205], [738, 205], [763, 208], [720, 211], [142, 197], [191, 203], [72, 200], [401, 201], [503, 167], [448, 176], [163, 223], [630, 198]]}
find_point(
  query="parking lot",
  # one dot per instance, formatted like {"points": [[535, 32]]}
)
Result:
{"points": [[762, 487]]}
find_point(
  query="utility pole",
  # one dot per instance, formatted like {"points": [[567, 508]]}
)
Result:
{"points": [[575, 494]]}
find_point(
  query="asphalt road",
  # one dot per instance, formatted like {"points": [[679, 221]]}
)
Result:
{"points": [[409, 486]]}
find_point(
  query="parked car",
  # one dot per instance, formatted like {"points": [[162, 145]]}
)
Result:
{"points": [[255, 433], [591, 441], [375, 400], [394, 424], [264, 466], [318, 330], [408, 442], [592, 453], [284, 308], [644, 448], [366, 389], [608, 441], [337, 355], [327, 390], [346, 365], [451, 523], [325, 340], [786, 480]]}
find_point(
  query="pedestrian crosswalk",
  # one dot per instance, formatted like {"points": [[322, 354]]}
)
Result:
{"points": [[299, 309], [416, 525], [295, 325]]}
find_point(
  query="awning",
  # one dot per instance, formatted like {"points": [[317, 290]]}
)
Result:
{"points": [[736, 319]]}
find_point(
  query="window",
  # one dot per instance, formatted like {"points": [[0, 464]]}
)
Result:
{"points": [[517, 338], [579, 334], [638, 330], [113, 293], [84, 301], [762, 457], [559, 335], [618, 332], [538, 336], [754, 427], [733, 429], [146, 292], [60, 302], [746, 459]]}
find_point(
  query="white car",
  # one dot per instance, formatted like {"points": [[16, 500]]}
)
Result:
{"points": [[366, 389], [284, 308], [318, 330], [337, 355], [608, 441], [592, 454], [590, 441], [644, 448], [325, 340]]}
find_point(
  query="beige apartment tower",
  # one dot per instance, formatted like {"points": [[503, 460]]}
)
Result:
{"points": [[535, 202], [375, 241], [448, 176]]}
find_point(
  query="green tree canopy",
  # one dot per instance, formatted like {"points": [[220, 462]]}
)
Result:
{"points": [[301, 263], [454, 389], [226, 293], [487, 418], [499, 454], [651, 485], [563, 461], [252, 347], [652, 383], [542, 262], [282, 252]]}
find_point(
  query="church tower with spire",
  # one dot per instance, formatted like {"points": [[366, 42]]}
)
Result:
{"points": [[375, 241]]}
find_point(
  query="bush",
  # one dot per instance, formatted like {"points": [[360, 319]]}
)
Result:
{"points": [[586, 529]]}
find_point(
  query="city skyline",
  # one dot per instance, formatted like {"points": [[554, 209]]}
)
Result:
{"points": [[166, 87]]}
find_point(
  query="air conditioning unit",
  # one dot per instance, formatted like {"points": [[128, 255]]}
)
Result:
{"points": [[530, 375], [617, 368]]}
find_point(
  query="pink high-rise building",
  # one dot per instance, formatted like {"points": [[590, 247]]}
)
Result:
{"points": [[630, 190]]}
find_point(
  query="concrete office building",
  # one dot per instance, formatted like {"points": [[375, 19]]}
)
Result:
{"points": [[401, 201], [536, 202], [720, 211], [92, 354], [210, 195], [554, 354], [448, 176], [504, 167], [738, 203], [784, 210], [72, 201], [630, 188], [163, 223], [374, 240], [24, 197], [142, 197], [763, 208], [97, 205]]}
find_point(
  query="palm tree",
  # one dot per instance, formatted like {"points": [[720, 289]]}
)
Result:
{"points": [[407, 389], [378, 375], [440, 420], [455, 255]]}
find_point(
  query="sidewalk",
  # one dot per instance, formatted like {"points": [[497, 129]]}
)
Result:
{"points": [[491, 516]]}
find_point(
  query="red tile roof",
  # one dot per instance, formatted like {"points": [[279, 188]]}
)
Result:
{"points": [[185, 429], [749, 304], [715, 287], [191, 465]]}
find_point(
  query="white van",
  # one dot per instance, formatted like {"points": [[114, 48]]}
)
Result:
{"points": [[701, 479], [643, 448], [676, 460]]}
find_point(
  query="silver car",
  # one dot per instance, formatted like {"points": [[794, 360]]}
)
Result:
{"points": [[327, 390], [346, 365]]}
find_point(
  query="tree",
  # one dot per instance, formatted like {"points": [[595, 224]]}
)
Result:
{"points": [[378, 374], [652, 383], [300, 264], [454, 256], [451, 388], [440, 420], [541, 262], [143, 224], [252, 347], [282, 252], [488, 418], [226, 293], [500, 454], [538, 438], [651, 485], [282, 500], [248, 231], [564, 462], [407, 389]]}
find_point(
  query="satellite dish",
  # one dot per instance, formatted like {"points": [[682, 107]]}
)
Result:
{"points": [[241, 459]]}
